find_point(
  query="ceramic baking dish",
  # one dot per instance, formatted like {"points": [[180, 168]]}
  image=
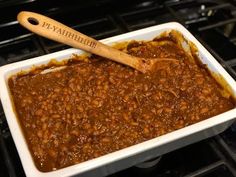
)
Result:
{"points": [[133, 155]]}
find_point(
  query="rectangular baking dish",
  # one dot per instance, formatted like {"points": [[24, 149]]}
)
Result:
{"points": [[133, 155]]}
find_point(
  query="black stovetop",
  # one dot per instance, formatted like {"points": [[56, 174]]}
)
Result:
{"points": [[211, 21]]}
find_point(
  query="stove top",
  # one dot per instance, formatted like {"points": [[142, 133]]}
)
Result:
{"points": [[211, 21]]}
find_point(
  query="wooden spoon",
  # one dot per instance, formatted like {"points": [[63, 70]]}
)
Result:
{"points": [[56, 31]]}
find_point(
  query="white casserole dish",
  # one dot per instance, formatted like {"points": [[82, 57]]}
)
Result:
{"points": [[133, 155]]}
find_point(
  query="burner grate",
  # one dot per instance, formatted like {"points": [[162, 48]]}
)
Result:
{"points": [[187, 162], [23, 49]]}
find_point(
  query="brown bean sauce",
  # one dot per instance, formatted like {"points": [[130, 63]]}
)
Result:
{"points": [[94, 107]]}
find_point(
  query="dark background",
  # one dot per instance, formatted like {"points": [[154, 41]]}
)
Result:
{"points": [[211, 22]]}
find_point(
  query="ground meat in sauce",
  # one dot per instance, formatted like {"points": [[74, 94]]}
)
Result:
{"points": [[96, 107]]}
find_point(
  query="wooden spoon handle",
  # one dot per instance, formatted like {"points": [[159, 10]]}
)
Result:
{"points": [[57, 31]]}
